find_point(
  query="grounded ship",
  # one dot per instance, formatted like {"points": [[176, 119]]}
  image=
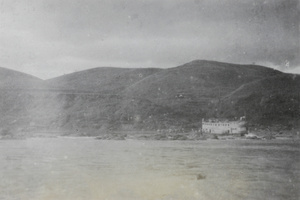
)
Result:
{"points": [[224, 126]]}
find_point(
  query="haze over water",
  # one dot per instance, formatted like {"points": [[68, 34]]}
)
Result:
{"points": [[84, 168]]}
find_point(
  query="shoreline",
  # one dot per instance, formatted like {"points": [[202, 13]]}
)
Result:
{"points": [[153, 135]]}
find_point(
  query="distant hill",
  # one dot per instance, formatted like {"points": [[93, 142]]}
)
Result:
{"points": [[101, 99], [14, 87], [10, 79], [198, 81], [193, 89]]}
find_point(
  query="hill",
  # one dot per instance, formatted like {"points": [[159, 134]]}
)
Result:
{"points": [[192, 90], [101, 99], [11, 80], [14, 86]]}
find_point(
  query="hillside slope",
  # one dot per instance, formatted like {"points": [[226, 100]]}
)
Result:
{"points": [[197, 79], [273, 100], [103, 79]]}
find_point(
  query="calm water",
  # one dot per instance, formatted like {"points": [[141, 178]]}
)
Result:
{"points": [[87, 169]]}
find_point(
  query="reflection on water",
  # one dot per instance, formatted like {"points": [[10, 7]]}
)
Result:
{"points": [[84, 168]]}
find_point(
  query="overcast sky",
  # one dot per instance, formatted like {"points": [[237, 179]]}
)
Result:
{"points": [[48, 38]]}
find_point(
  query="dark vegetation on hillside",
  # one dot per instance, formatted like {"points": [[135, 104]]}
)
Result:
{"points": [[104, 99]]}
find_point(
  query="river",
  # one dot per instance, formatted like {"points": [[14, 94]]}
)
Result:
{"points": [[88, 169]]}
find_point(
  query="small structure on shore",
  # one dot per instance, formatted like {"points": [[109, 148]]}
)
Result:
{"points": [[219, 126]]}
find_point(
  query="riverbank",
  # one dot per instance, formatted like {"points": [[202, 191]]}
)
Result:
{"points": [[152, 135]]}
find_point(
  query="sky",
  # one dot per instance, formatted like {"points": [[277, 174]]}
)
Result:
{"points": [[49, 38]]}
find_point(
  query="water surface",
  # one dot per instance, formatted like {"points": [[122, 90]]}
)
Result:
{"points": [[85, 168]]}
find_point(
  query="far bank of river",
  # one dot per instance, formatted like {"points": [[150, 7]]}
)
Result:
{"points": [[154, 135], [151, 135]]}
